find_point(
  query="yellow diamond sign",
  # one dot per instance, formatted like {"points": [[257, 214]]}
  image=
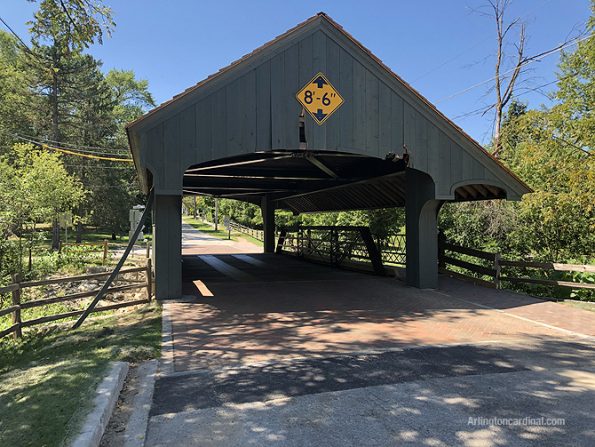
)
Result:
{"points": [[319, 98]]}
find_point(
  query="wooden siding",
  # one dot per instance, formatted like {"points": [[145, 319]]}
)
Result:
{"points": [[257, 111]]}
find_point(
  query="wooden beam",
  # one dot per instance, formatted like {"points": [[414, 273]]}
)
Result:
{"points": [[320, 165], [238, 163]]}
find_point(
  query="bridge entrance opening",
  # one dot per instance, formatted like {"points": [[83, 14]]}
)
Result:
{"points": [[268, 130]]}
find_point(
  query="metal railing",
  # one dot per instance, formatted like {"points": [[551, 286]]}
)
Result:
{"points": [[346, 246]]}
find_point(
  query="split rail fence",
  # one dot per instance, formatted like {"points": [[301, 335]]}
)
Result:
{"points": [[17, 305], [493, 271], [253, 232]]}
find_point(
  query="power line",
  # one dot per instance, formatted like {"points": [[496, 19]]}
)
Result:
{"points": [[79, 154], [15, 34], [76, 153], [117, 168], [447, 61], [78, 148], [524, 64], [486, 108], [23, 44]]}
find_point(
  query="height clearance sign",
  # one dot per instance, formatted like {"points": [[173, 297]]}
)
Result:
{"points": [[319, 98]]}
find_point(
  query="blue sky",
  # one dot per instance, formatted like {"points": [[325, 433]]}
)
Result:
{"points": [[439, 47]]}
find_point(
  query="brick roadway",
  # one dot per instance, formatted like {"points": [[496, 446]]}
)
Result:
{"points": [[270, 308]]}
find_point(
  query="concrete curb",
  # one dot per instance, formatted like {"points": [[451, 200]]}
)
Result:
{"points": [[105, 400], [136, 429]]}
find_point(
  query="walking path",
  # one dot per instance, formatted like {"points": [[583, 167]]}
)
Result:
{"points": [[199, 243], [270, 350]]}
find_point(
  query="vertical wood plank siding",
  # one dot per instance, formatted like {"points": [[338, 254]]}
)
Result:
{"points": [[257, 111]]}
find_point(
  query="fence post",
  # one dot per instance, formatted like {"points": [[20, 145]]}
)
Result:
{"points": [[149, 280], [497, 269], [104, 251], [16, 301]]}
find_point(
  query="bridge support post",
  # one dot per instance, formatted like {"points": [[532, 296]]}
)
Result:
{"points": [[268, 223], [167, 246], [421, 230]]}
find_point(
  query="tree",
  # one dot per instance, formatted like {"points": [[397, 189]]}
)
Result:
{"points": [[508, 75], [131, 99], [61, 29], [550, 149], [16, 100], [35, 187], [114, 186]]}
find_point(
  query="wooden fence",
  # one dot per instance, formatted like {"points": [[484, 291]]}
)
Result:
{"points": [[16, 288], [253, 232], [497, 270]]}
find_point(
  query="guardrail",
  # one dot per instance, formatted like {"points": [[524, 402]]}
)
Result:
{"points": [[494, 270], [16, 288]]}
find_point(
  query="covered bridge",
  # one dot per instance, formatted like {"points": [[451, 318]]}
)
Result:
{"points": [[311, 121]]}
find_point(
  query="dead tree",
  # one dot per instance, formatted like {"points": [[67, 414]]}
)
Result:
{"points": [[505, 88], [506, 79]]}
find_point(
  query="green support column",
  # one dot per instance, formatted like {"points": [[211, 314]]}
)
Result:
{"points": [[421, 230], [167, 246], [268, 223]]}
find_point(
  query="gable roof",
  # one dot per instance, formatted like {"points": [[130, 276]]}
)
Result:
{"points": [[320, 17]]}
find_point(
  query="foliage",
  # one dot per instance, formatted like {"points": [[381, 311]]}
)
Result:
{"points": [[35, 186], [47, 379], [16, 100], [74, 24], [55, 92], [551, 149]]}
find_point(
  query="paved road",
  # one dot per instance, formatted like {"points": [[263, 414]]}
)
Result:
{"points": [[196, 242], [269, 350]]}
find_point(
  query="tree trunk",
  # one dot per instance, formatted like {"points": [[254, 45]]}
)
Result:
{"points": [[497, 130], [54, 98], [55, 234], [79, 232], [114, 237]]}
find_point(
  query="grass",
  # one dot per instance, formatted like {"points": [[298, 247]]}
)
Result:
{"points": [[47, 381], [206, 228]]}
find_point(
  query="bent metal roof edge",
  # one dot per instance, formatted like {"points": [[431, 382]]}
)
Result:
{"points": [[339, 28]]}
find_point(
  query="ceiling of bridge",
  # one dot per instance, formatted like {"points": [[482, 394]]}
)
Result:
{"points": [[302, 180], [310, 181]]}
